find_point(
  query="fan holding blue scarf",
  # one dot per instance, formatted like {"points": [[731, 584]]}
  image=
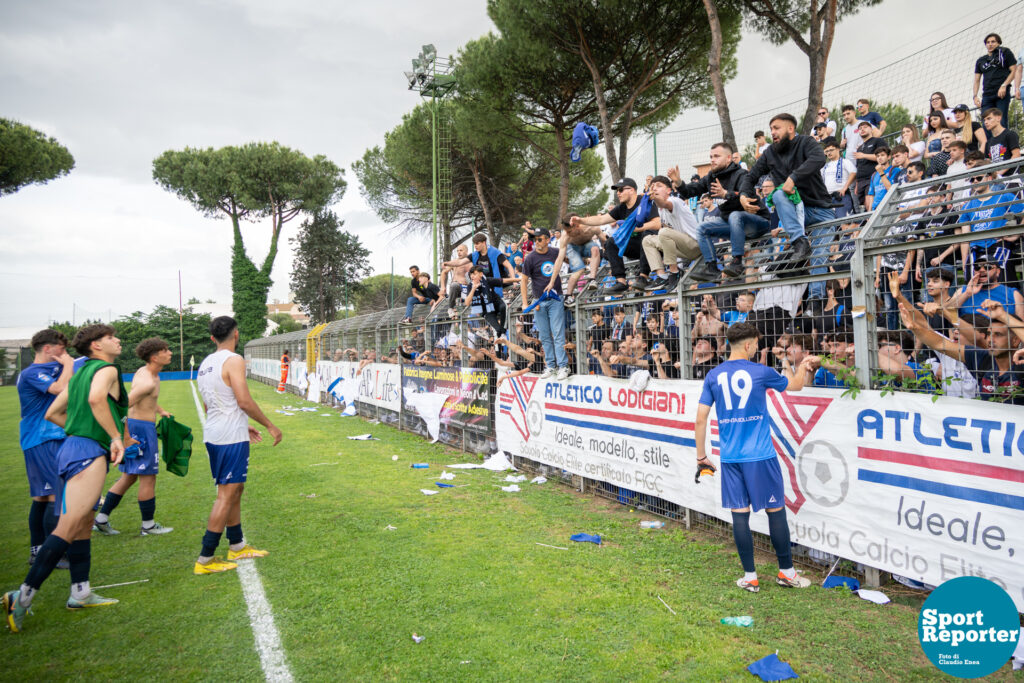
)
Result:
{"points": [[638, 217]]}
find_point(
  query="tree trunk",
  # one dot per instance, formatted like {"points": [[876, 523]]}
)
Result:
{"points": [[624, 133], [474, 167], [563, 170], [715, 71]]}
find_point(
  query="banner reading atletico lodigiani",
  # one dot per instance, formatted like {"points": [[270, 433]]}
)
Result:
{"points": [[928, 490]]}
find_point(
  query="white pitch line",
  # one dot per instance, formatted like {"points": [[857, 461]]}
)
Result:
{"points": [[261, 618]]}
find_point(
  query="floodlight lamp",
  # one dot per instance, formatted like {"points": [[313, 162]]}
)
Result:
{"points": [[429, 53], [411, 77]]}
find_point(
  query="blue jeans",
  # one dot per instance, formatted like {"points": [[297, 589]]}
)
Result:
{"points": [[740, 227], [549, 317], [820, 238], [1000, 103], [413, 301]]}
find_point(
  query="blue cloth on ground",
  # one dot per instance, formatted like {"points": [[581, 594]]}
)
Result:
{"points": [[849, 582], [444, 486], [625, 230], [584, 136], [549, 294], [586, 538], [771, 668]]}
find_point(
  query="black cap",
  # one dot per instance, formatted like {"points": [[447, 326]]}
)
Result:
{"points": [[624, 182], [961, 107], [542, 232]]}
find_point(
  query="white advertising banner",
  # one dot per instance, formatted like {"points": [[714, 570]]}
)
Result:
{"points": [[378, 384], [928, 490]]}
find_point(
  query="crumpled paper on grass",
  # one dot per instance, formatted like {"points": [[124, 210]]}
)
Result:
{"points": [[496, 463]]}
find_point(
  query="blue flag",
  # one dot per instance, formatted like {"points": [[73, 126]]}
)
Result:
{"points": [[583, 137], [771, 668], [626, 228], [548, 294]]}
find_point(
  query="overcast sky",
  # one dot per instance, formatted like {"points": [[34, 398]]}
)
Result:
{"points": [[120, 82]]}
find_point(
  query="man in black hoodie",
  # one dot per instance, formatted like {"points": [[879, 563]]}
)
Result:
{"points": [[722, 183], [794, 162]]}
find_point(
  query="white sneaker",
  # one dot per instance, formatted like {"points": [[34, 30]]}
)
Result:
{"points": [[156, 530], [796, 582], [548, 373], [563, 374]]}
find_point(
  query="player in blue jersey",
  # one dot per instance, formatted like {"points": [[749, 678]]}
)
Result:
{"points": [[751, 476], [38, 386]]}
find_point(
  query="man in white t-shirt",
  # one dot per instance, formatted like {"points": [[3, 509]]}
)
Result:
{"points": [[678, 236], [839, 174], [851, 136], [227, 435], [830, 125]]}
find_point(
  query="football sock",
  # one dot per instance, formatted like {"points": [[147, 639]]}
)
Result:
{"points": [[148, 509], [211, 539], [744, 539], [49, 555], [79, 559], [80, 590], [750, 576], [110, 501], [235, 537], [36, 519], [778, 529], [51, 518], [788, 573]]}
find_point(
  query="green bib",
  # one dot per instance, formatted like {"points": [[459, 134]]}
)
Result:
{"points": [[81, 421]]}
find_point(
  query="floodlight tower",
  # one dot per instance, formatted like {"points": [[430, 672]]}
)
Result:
{"points": [[432, 76]]}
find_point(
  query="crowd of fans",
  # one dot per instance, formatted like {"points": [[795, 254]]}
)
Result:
{"points": [[949, 315]]}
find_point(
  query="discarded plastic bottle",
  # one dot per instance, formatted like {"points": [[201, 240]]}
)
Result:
{"points": [[419, 465], [651, 524], [738, 621]]}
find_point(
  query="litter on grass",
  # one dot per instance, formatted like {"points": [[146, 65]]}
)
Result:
{"points": [[303, 495], [511, 488], [496, 463], [836, 580], [667, 607], [320, 464], [363, 437], [446, 475], [394, 457], [285, 412], [877, 597], [516, 478], [586, 538], [539, 480], [743, 621], [429, 492], [556, 547], [124, 583], [444, 486], [771, 668], [419, 465], [417, 639], [390, 528]]}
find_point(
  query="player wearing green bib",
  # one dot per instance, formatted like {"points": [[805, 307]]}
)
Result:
{"points": [[91, 411]]}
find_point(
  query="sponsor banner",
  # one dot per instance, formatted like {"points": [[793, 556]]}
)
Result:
{"points": [[466, 390], [264, 367], [378, 383], [928, 490]]}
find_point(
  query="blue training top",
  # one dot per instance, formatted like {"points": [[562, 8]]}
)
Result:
{"points": [[737, 389], [35, 397]]}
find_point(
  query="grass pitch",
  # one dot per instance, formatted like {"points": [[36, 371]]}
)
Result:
{"points": [[462, 568]]}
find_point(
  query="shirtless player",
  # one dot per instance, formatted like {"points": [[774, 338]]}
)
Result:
{"points": [[143, 466]]}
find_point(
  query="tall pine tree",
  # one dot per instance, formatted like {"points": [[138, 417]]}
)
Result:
{"points": [[329, 263]]}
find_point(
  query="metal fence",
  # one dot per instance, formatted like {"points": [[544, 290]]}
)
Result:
{"points": [[961, 233]]}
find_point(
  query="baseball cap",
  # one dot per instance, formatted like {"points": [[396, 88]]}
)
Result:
{"points": [[624, 182], [864, 123], [542, 232], [961, 107]]}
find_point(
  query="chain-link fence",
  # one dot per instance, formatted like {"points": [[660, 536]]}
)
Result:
{"points": [[922, 295]]}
